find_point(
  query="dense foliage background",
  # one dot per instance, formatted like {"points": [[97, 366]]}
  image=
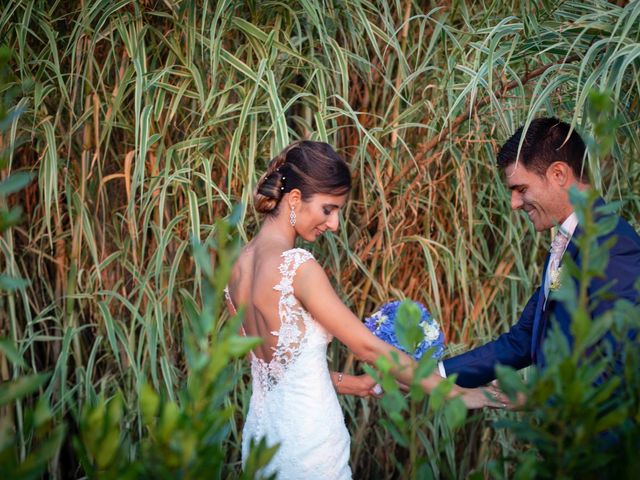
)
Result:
{"points": [[146, 121]]}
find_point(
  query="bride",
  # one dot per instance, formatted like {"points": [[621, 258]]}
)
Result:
{"points": [[290, 304]]}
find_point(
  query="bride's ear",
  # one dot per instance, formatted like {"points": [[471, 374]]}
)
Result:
{"points": [[294, 198]]}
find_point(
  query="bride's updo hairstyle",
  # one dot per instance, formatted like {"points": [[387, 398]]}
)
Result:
{"points": [[311, 167]]}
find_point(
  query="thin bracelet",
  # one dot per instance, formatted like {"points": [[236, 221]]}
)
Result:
{"points": [[340, 375]]}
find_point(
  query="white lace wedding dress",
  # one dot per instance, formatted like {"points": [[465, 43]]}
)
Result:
{"points": [[293, 401]]}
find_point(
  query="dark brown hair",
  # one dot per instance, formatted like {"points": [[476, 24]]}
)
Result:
{"points": [[545, 142], [311, 167]]}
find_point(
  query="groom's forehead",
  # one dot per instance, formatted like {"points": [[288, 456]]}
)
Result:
{"points": [[516, 174]]}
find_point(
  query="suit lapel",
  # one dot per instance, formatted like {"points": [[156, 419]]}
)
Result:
{"points": [[539, 322], [572, 248], [535, 332]]}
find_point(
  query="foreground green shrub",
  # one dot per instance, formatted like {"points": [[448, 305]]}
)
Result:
{"points": [[422, 426], [184, 437]]}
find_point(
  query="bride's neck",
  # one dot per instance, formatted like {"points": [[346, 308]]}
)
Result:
{"points": [[278, 231]]}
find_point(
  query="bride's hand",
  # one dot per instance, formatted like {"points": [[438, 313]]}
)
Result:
{"points": [[357, 385], [367, 385], [489, 396]]}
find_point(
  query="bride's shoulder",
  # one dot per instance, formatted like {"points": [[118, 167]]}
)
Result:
{"points": [[298, 253]]}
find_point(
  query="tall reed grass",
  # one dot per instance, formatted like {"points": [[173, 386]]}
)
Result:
{"points": [[145, 121]]}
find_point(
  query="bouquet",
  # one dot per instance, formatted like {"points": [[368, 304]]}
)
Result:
{"points": [[387, 325]]}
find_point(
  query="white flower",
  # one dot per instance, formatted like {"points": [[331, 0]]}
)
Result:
{"points": [[380, 319], [431, 331], [554, 278]]}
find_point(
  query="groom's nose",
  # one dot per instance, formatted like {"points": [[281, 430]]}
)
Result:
{"points": [[516, 200]]}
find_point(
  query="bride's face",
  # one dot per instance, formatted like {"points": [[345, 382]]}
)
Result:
{"points": [[319, 214]]}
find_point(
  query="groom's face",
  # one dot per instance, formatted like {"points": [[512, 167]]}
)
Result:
{"points": [[539, 196]]}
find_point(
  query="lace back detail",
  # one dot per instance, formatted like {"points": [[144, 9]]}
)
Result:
{"points": [[294, 324]]}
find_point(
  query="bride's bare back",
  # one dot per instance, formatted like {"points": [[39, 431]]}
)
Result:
{"points": [[253, 278]]}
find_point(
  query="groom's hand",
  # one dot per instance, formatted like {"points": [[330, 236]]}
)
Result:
{"points": [[517, 404]]}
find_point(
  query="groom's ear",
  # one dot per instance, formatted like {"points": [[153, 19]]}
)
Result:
{"points": [[560, 173]]}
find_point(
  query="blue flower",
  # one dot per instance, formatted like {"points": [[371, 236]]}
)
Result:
{"points": [[382, 325]]}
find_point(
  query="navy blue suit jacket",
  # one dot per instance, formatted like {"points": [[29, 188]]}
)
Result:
{"points": [[522, 344]]}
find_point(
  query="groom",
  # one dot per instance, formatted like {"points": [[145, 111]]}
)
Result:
{"points": [[539, 180]]}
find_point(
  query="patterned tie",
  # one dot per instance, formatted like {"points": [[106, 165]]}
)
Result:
{"points": [[558, 247]]}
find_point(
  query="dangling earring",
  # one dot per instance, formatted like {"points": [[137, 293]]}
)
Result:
{"points": [[292, 217]]}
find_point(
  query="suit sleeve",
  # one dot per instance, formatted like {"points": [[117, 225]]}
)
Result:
{"points": [[621, 273], [477, 367]]}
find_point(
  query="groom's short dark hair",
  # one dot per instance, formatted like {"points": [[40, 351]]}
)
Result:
{"points": [[547, 140]]}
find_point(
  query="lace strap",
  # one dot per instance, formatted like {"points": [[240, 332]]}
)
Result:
{"points": [[292, 260]]}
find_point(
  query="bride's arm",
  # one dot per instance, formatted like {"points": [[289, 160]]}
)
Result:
{"points": [[312, 288]]}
